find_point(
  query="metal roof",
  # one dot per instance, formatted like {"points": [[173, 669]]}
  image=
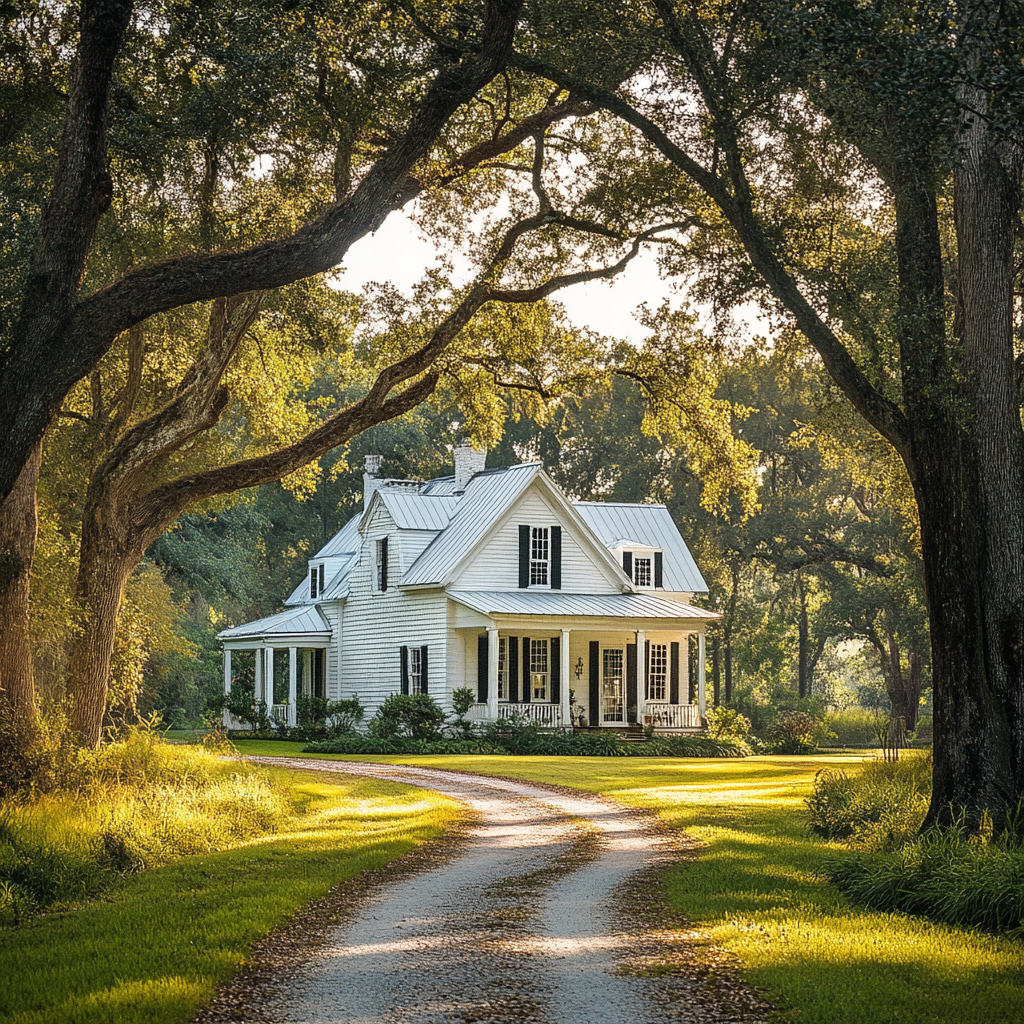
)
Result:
{"points": [[649, 526], [533, 602], [413, 511], [304, 621], [344, 542], [487, 495]]}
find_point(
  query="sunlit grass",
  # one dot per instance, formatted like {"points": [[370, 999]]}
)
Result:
{"points": [[154, 950], [757, 889]]}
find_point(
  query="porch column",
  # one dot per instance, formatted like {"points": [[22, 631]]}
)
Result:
{"points": [[641, 652], [684, 669], [293, 685], [701, 696], [258, 684], [492, 673], [227, 683], [564, 672], [268, 681]]}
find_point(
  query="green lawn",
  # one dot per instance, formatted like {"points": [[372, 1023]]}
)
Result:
{"points": [[757, 890], [155, 947]]}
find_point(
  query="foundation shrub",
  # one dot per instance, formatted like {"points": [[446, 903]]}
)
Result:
{"points": [[414, 715]]}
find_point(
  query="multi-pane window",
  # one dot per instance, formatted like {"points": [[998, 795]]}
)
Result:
{"points": [[612, 695], [317, 579], [416, 670], [642, 572], [657, 674], [539, 669], [502, 668], [382, 565], [540, 555]]}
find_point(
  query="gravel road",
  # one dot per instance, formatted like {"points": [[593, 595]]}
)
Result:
{"points": [[535, 918]]}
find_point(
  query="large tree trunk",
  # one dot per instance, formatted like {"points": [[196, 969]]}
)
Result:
{"points": [[108, 556], [18, 531]]}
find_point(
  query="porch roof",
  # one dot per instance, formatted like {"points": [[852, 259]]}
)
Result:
{"points": [[537, 602], [306, 621]]}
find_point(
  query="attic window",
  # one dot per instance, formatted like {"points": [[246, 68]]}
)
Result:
{"points": [[316, 580], [642, 572], [382, 565], [539, 556]]}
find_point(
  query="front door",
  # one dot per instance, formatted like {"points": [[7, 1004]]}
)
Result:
{"points": [[613, 711]]}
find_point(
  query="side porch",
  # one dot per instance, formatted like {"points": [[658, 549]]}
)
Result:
{"points": [[280, 657], [584, 668]]}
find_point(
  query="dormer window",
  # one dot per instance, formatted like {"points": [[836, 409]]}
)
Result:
{"points": [[540, 556], [316, 580], [642, 572], [382, 566]]}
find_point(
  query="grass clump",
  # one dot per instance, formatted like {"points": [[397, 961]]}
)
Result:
{"points": [[127, 807], [881, 806]]}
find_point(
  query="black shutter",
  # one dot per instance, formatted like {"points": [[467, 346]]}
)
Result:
{"points": [[673, 674], [556, 558], [423, 669], [627, 563], [595, 683], [555, 652], [312, 582], [630, 715], [647, 670], [659, 569], [405, 669], [482, 666], [323, 570], [524, 557], [513, 669], [526, 671], [384, 564]]}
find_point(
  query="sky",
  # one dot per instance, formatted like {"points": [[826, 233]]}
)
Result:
{"points": [[396, 253]]}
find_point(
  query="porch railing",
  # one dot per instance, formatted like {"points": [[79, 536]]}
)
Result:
{"points": [[673, 716], [547, 716]]}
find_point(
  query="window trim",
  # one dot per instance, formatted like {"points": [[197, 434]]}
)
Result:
{"points": [[540, 646], [652, 673]]}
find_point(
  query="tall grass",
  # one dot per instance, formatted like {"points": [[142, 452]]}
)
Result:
{"points": [[131, 805]]}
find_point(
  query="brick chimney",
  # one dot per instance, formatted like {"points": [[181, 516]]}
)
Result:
{"points": [[468, 462], [371, 477]]}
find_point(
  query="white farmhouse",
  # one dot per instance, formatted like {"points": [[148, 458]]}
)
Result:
{"points": [[567, 613]]}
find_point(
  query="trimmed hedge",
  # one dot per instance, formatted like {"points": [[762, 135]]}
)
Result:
{"points": [[529, 742]]}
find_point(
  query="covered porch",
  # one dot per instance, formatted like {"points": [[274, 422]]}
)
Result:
{"points": [[281, 656], [594, 662]]}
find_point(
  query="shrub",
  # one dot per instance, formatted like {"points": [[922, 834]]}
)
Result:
{"points": [[946, 874], [320, 718], [853, 726], [794, 733], [417, 715], [727, 724], [879, 808]]}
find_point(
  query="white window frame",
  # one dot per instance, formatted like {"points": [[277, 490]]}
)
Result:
{"points": [[540, 670], [657, 674], [416, 669], [646, 563], [540, 556], [502, 668]]}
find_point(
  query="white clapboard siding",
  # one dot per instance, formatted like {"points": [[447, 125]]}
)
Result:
{"points": [[335, 615], [411, 544], [495, 564], [378, 625]]}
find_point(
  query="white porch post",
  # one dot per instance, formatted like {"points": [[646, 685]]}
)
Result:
{"points": [[564, 672], [293, 685], [701, 696], [684, 670], [641, 657], [268, 681], [227, 683], [258, 686], [492, 673], [307, 672]]}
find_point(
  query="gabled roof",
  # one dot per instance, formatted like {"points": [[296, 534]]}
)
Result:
{"points": [[647, 526], [535, 602], [412, 510], [487, 495], [344, 542], [304, 621]]}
